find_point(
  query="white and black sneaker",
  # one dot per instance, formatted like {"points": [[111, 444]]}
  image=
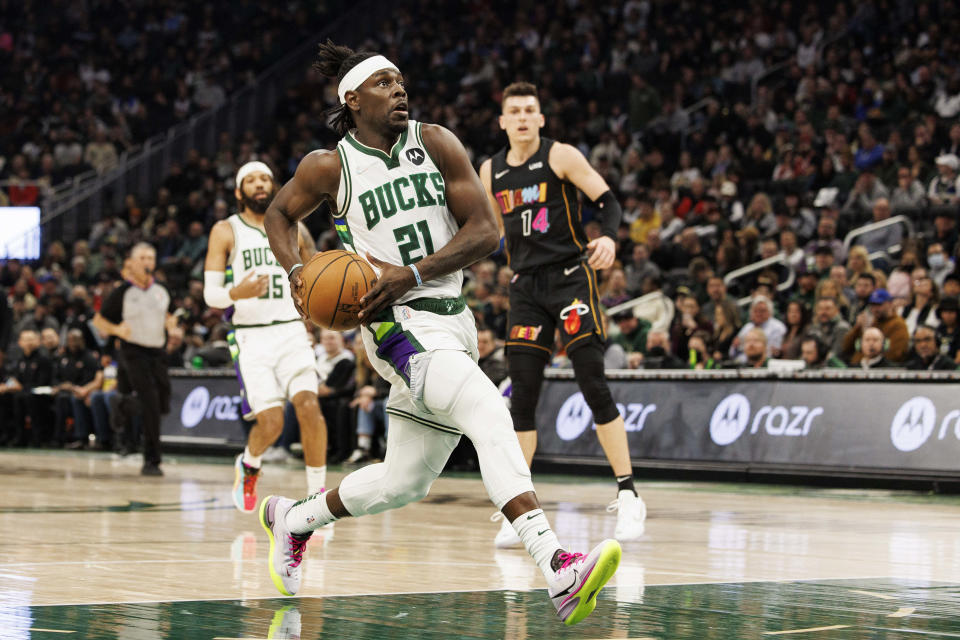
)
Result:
{"points": [[573, 588]]}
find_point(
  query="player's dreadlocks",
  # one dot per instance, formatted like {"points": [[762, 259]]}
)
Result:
{"points": [[334, 61]]}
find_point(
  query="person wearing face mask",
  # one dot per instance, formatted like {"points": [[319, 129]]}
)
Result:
{"points": [[940, 264], [900, 281]]}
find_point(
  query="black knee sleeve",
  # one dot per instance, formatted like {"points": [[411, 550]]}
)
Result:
{"points": [[588, 369], [526, 377]]}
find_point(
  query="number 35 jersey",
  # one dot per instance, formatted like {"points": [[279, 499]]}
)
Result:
{"points": [[541, 212], [394, 207], [252, 253]]}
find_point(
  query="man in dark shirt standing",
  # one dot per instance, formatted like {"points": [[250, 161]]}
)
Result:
{"points": [[7, 389], [30, 373], [138, 312], [76, 374]]}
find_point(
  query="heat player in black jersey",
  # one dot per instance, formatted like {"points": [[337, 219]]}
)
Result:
{"points": [[534, 187]]}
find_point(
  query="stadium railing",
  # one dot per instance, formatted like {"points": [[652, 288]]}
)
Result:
{"points": [[737, 275], [74, 206], [874, 226]]}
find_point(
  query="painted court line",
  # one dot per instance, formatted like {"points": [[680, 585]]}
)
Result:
{"points": [[882, 596], [810, 630], [50, 630], [320, 596]]}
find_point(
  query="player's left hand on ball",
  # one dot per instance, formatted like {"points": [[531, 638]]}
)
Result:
{"points": [[296, 291], [604, 251], [394, 281]]}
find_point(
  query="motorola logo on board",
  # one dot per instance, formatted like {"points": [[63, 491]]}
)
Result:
{"points": [[198, 406], [731, 417], [916, 421]]}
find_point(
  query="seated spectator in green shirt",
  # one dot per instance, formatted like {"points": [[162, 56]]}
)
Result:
{"points": [[633, 332]]}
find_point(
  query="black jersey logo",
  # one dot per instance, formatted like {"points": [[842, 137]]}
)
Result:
{"points": [[416, 155]]}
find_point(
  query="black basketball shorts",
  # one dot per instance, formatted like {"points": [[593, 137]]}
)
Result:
{"points": [[560, 297]]}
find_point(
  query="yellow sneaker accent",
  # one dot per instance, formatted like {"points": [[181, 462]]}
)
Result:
{"points": [[606, 566], [277, 582]]}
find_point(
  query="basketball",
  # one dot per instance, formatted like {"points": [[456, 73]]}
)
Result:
{"points": [[333, 283]]}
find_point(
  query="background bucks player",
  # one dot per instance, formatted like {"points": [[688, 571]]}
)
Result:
{"points": [[274, 360], [532, 185], [406, 195]]}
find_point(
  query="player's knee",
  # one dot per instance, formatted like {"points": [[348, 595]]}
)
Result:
{"points": [[523, 412], [526, 378], [305, 401], [400, 494], [591, 378]]}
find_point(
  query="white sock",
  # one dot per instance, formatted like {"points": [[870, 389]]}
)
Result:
{"points": [[364, 442], [251, 460], [539, 539], [308, 514], [316, 479]]}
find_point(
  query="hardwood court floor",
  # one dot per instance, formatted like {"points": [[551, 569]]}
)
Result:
{"points": [[89, 549]]}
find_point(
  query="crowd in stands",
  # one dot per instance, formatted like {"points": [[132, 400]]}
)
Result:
{"points": [[730, 133], [81, 82]]}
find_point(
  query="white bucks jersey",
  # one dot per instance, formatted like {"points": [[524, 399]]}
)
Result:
{"points": [[252, 253], [394, 207]]}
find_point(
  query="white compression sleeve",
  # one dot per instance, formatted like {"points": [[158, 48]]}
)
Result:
{"points": [[214, 293]]}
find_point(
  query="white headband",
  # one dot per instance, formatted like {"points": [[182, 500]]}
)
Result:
{"points": [[251, 167], [359, 74]]}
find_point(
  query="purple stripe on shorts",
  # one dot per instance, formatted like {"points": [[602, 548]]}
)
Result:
{"points": [[245, 409], [397, 349]]}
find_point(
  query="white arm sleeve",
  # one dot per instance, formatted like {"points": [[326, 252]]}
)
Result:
{"points": [[215, 294]]}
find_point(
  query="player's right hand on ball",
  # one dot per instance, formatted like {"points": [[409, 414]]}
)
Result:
{"points": [[252, 286], [296, 291]]}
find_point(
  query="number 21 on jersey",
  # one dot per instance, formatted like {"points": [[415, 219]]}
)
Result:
{"points": [[539, 223]]}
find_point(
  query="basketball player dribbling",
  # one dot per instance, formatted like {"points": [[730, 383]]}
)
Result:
{"points": [[532, 185], [272, 352], [406, 197]]}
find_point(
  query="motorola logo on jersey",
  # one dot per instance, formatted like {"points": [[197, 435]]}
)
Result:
{"points": [[199, 406], [915, 421], [731, 417], [416, 156], [575, 416]]}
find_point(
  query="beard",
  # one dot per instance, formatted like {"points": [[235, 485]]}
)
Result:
{"points": [[256, 205]]}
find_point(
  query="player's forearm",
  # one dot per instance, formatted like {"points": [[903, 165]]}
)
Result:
{"points": [[476, 240], [282, 234]]}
